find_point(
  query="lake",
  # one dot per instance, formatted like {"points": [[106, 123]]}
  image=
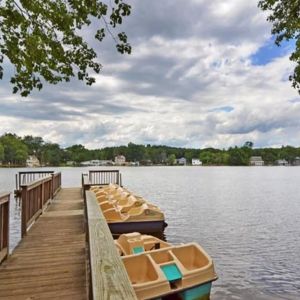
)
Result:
{"points": [[246, 218]]}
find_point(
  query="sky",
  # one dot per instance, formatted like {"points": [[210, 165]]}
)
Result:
{"points": [[201, 74]]}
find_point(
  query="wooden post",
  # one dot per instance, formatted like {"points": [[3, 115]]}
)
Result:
{"points": [[42, 195], [1, 227], [17, 184], [52, 186], [4, 226], [24, 211], [120, 182]]}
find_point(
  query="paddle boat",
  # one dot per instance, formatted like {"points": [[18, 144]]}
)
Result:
{"points": [[183, 272], [125, 212], [133, 243], [125, 203], [144, 218]]}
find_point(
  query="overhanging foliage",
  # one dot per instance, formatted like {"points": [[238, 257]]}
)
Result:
{"points": [[285, 17], [43, 40]]}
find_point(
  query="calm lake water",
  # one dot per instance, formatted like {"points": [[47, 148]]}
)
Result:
{"points": [[246, 218]]}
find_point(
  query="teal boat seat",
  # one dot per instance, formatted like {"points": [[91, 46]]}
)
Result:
{"points": [[138, 249], [171, 272]]}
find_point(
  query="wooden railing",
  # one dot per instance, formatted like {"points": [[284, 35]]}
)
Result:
{"points": [[26, 177], [4, 226], [103, 177], [107, 278], [35, 196], [56, 183], [85, 183], [100, 177], [30, 176]]}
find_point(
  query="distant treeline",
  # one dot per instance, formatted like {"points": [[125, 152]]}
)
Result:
{"points": [[14, 150]]}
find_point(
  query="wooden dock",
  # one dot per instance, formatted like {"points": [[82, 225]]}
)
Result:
{"points": [[50, 261], [66, 250]]}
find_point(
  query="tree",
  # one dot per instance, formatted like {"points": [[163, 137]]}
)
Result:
{"points": [[171, 159], [289, 153], [135, 152], [285, 16], [190, 154], [52, 154], [43, 39], [15, 151], [77, 153], [269, 155], [248, 144], [1, 152], [238, 157], [206, 157], [34, 145]]}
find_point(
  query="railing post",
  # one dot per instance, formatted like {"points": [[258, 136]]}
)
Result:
{"points": [[17, 183], [24, 210], [42, 195], [120, 180], [52, 186], [4, 226]]}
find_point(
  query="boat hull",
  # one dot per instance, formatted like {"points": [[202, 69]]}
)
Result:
{"points": [[200, 292], [142, 227]]}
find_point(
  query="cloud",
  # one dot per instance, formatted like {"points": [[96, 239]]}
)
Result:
{"points": [[191, 81]]}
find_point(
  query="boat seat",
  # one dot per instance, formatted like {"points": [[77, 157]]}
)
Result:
{"points": [[105, 205], [137, 249], [134, 211], [120, 197], [101, 198], [113, 214]]}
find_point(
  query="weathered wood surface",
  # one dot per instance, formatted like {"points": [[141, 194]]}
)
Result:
{"points": [[35, 197], [109, 279], [4, 225], [50, 261]]}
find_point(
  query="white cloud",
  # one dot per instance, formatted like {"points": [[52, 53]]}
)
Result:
{"points": [[190, 60]]}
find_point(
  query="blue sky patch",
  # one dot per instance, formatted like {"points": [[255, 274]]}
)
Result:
{"points": [[270, 51], [295, 100], [222, 108]]}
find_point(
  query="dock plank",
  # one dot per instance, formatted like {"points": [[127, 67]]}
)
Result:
{"points": [[50, 262]]}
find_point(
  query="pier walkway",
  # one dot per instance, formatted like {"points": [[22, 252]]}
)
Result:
{"points": [[66, 249], [50, 261]]}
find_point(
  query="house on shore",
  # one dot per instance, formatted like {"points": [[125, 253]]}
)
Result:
{"points": [[120, 160], [296, 161], [196, 162], [147, 162], [70, 163], [282, 162], [256, 161], [96, 163], [32, 162], [181, 161]]}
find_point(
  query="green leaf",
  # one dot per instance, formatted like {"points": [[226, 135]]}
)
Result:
{"points": [[43, 39]]}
